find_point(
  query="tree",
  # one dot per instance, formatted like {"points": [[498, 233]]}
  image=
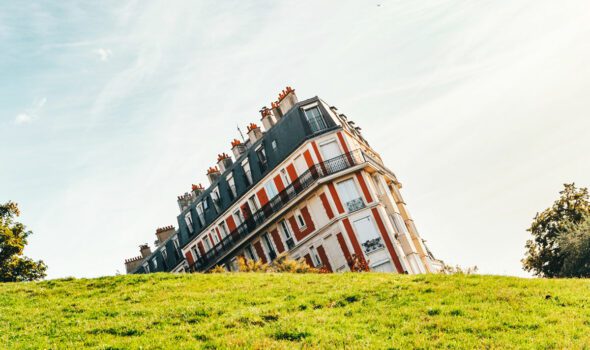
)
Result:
{"points": [[575, 247], [13, 239], [553, 230]]}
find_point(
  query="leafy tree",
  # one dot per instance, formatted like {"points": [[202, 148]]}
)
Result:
{"points": [[549, 252], [13, 239], [575, 247]]}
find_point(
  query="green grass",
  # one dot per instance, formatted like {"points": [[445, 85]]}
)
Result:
{"points": [[284, 311]]}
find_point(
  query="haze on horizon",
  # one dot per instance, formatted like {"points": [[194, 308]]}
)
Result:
{"points": [[110, 111]]}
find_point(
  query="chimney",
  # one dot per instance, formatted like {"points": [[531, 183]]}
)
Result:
{"points": [[276, 111], [185, 200], [145, 250], [133, 263], [267, 118], [196, 190], [238, 148], [213, 174], [224, 161], [163, 233], [254, 133], [287, 99]]}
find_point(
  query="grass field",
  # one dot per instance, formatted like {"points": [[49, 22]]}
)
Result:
{"points": [[285, 311]]}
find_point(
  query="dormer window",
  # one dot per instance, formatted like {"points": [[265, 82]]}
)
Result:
{"points": [[188, 218], [232, 186], [201, 214], [261, 155], [164, 253], [315, 119], [155, 264], [247, 172], [146, 267], [216, 198]]}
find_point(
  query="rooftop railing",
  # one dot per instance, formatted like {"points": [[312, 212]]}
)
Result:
{"points": [[261, 217]]}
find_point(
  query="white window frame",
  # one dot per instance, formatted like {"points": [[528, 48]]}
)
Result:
{"points": [[232, 185], [247, 171], [315, 257], [314, 121], [188, 219], [155, 263], [345, 190], [207, 243], [164, 253], [300, 219], [270, 187], [146, 267], [224, 230], [201, 213]]}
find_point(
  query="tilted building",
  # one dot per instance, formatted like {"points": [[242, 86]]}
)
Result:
{"points": [[309, 185]]}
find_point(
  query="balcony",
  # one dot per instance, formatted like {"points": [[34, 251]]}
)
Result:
{"points": [[276, 204], [355, 204]]}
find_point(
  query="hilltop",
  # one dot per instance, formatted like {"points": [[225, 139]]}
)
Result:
{"points": [[285, 311]]}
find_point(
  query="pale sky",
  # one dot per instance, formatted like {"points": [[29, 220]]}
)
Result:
{"points": [[109, 111]]}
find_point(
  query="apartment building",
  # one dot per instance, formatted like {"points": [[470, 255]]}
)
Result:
{"points": [[307, 183]]}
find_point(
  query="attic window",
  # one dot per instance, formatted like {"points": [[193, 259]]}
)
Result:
{"points": [[274, 145]]}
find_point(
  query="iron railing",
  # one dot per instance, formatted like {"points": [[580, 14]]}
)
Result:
{"points": [[261, 216]]}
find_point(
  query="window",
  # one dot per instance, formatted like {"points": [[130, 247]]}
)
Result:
{"points": [[274, 145], [300, 220], [285, 177], [367, 235], [262, 161], [238, 216], [315, 257], [224, 231], [232, 186], [253, 201], [271, 250], [164, 253], [207, 243], [315, 119], [176, 247], [330, 149], [216, 198], [271, 189], [155, 264], [284, 229], [247, 172], [215, 236], [350, 196], [146, 268], [188, 218], [205, 203], [249, 252], [201, 214], [195, 252]]}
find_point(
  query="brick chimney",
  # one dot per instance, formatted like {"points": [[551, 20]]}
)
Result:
{"points": [[196, 190], [276, 111], [238, 148], [163, 233], [133, 263], [287, 99], [254, 133], [224, 161], [145, 250], [267, 119], [213, 174]]}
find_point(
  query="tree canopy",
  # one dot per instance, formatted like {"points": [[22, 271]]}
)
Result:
{"points": [[561, 237], [13, 239]]}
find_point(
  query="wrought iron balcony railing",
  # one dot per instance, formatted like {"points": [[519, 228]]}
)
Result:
{"points": [[261, 216], [355, 204]]}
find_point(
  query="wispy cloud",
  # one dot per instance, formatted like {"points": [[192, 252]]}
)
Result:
{"points": [[31, 114], [103, 54]]}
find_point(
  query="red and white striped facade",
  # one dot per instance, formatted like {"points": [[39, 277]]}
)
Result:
{"points": [[358, 212]]}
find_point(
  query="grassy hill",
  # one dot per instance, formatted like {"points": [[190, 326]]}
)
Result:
{"points": [[284, 311]]}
